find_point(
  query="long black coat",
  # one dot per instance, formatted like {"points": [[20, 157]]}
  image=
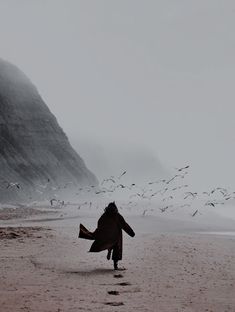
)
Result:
{"points": [[108, 234]]}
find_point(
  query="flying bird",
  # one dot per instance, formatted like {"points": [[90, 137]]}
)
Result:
{"points": [[195, 212], [154, 194], [183, 168], [122, 174], [144, 212], [107, 180], [177, 175], [179, 187], [121, 186], [206, 193], [164, 190], [190, 194], [167, 198], [156, 182], [210, 204], [11, 184], [100, 192], [165, 208], [185, 205]]}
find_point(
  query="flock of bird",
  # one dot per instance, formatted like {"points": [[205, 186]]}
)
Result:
{"points": [[163, 190]]}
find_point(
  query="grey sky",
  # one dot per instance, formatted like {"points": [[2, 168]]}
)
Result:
{"points": [[153, 73]]}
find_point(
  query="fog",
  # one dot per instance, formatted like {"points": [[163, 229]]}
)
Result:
{"points": [[155, 77]]}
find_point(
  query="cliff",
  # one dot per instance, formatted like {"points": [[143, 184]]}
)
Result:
{"points": [[34, 150]]}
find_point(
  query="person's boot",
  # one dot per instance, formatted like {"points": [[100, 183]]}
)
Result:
{"points": [[115, 265]]}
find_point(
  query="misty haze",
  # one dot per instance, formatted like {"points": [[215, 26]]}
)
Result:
{"points": [[116, 137]]}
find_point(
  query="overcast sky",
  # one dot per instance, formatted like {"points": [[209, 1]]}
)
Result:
{"points": [[155, 73]]}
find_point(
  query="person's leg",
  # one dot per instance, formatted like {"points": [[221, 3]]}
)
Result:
{"points": [[115, 256], [115, 264], [109, 253]]}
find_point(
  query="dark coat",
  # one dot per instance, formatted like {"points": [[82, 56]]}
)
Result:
{"points": [[108, 234]]}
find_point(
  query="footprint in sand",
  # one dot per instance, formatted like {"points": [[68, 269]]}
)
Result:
{"points": [[118, 275], [113, 292], [124, 284], [115, 304]]}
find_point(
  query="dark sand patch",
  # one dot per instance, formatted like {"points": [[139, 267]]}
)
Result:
{"points": [[23, 232]]}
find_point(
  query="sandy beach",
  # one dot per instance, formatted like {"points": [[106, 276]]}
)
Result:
{"points": [[45, 267], [122, 112]]}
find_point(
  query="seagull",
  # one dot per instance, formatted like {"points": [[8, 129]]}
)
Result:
{"points": [[222, 189], [121, 186], [190, 194], [52, 200], [108, 190], [223, 193], [127, 186], [154, 194], [122, 174], [99, 192], [177, 175], [185, 205], [167, 198], [11, 184], [219, 189], [183, 186], [144, 212], [183, 168], [179, 187], [107, 180], [195, 212], [141, 195], [165, 208], [131, 186], [210, 204], [156, 182], [164, 190]]}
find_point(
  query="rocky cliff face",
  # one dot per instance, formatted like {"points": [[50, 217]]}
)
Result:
{"points": [[34, 150]]}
